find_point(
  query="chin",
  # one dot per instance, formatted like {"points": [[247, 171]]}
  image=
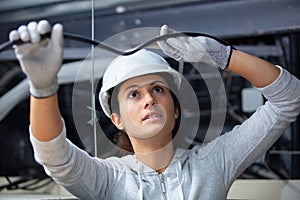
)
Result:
{"points": [[148, 132]]}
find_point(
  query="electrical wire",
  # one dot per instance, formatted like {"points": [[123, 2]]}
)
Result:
{"points": [[6, 45], [8, 76]]}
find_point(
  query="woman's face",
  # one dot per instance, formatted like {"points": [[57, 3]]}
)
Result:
{"points": [[146, 107]]}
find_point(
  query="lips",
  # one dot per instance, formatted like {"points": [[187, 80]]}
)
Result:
{"points": [[151, 115]]}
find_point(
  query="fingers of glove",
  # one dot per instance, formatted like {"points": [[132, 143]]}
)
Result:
{"points": [[162, 44], [174, 43], [32, 39], [24, 33], [182, 42], [164, 30], [206, 44], [30, 33], [43, 27], [33, 32], [169, 50], [14, 36], [57, 36], [165, 47]]}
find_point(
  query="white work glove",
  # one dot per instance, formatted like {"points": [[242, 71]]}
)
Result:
{"points": [[196, 49], [40, 59]]}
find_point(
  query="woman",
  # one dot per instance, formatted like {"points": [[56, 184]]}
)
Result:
{"points": [[140, 103]]}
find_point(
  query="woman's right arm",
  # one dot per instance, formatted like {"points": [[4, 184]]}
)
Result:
{"points": [[41, 60], [69, 166]]}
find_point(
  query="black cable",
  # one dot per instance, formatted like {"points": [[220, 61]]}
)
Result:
{"points": [[14, 184], [26, 183], [36, 184], [9, 44]]}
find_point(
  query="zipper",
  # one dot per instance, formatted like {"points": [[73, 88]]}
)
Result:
{"points": [[163, 185]]}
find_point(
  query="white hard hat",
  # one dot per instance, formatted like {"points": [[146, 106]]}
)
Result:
{"points": [[123, 68]]}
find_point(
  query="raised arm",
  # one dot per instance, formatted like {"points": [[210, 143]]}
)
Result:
{"points": [[258, 133], [41, 60], [259, 72], [218, 54]]}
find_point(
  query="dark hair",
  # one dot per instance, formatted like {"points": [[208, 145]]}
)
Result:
{"points": [[121, 138]]}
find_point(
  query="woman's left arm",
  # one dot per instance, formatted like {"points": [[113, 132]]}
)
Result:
{"points": [[265, 126], [259, 72], [245, 143]]}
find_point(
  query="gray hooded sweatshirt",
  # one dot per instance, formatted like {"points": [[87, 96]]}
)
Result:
{"points": [[204, 172]]}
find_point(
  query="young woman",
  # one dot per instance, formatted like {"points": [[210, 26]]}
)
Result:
{"points": [[139, 102]]}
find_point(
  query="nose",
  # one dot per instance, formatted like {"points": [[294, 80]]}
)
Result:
{"points": [[149, 100]]}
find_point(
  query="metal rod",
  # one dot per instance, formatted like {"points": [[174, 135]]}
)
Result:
{"points": [[93, 112]]}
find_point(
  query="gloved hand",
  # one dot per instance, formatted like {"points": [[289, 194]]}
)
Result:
{"points": [[196, 49], [40, 59]]}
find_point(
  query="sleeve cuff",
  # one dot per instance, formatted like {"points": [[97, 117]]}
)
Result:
{"points": [[277, 89], [51, 152], [54, 142]]}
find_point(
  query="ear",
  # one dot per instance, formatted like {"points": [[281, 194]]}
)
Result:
{"points": [[116, 120]]}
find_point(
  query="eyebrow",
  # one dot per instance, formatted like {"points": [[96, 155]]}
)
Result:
{"points": [[137, 86]]}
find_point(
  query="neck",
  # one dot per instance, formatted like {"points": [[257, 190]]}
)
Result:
{"points": [[155, 154], [159, 159]]}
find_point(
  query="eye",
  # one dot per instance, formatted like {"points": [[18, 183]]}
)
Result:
{"points": [[133, 94], [158, 89]]}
